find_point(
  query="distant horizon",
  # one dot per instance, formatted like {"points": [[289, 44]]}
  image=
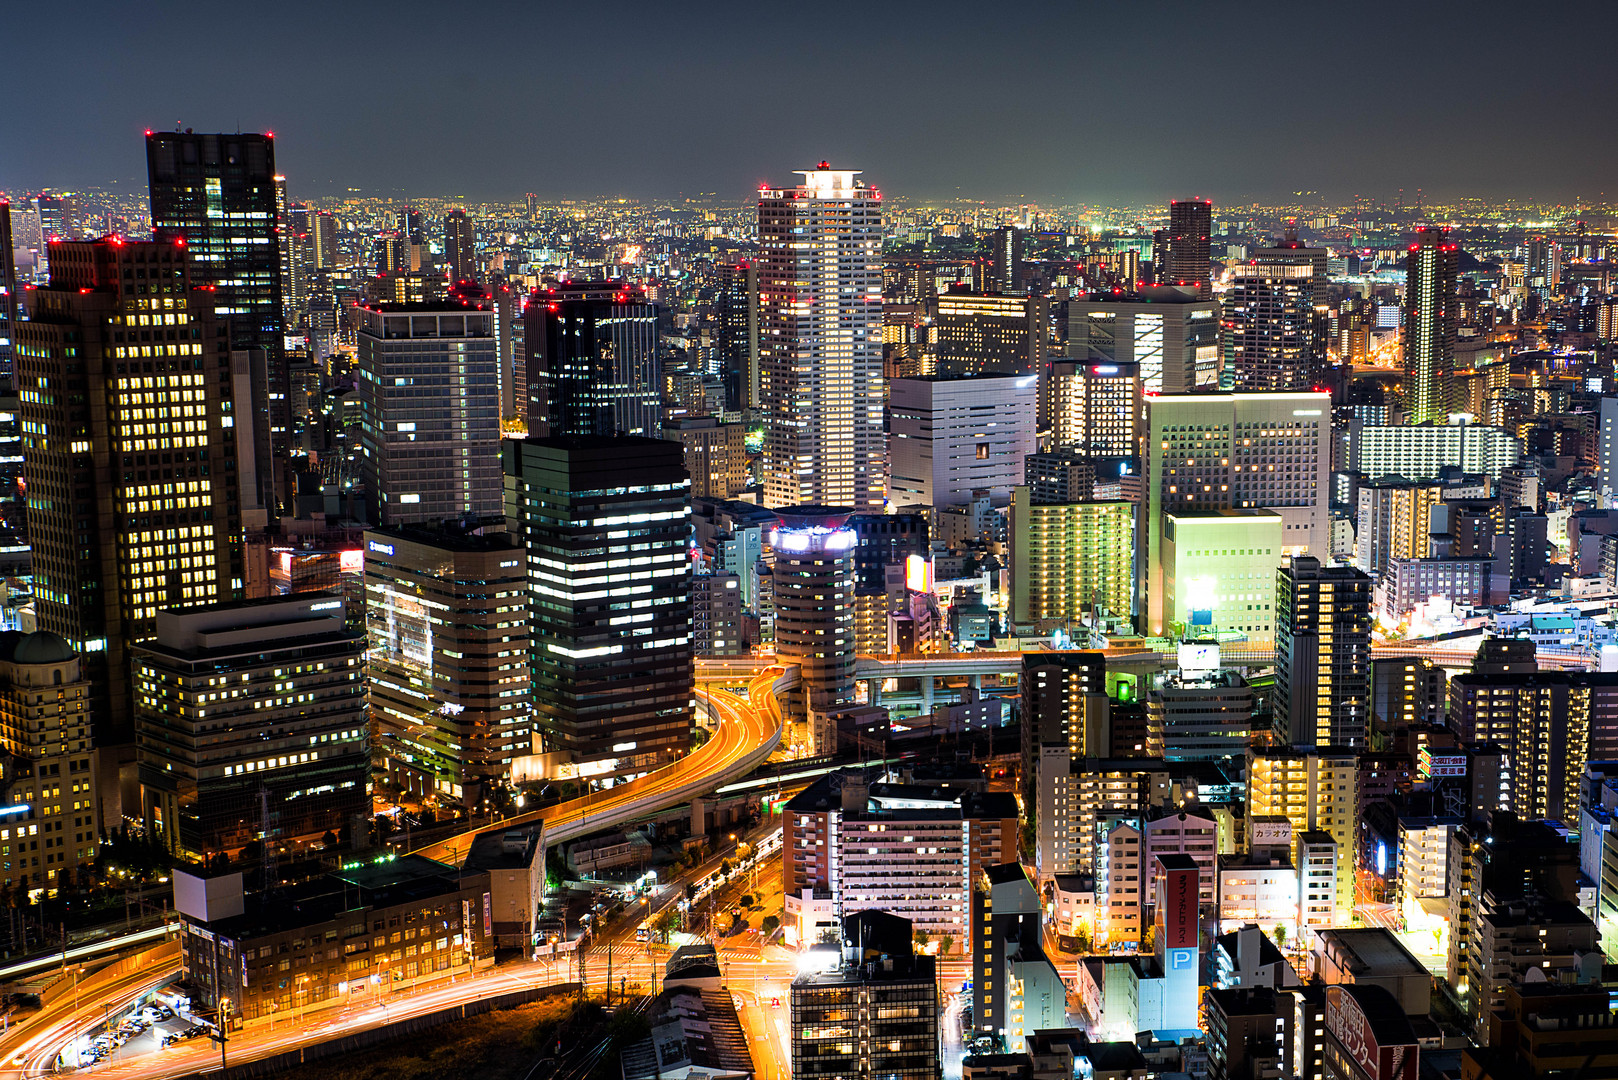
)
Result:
{"points": [[1059, 102], [746, 195]]}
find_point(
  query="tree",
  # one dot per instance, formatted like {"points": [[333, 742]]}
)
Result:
{"points": [[748, 900], [666, 922], [328, 841], [724, 869], [770, 925], [946, 944], [922, 937], [1280, 935]]}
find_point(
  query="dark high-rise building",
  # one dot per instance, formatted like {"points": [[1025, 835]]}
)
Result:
{"points": [[1430, 326], [606, 523], [988, 333], [591, 361], [138, 503], [218, 193], [736, 312], [814, 613], [1005, 258], [323, 231], [281, 753], [1064, 703], [1322, 653], [8, 292], [1189, 258], [429, 411], [460, 249], [1269, 317], [871, 1009]]}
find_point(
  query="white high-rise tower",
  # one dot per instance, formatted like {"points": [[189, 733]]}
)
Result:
{"points": [[820, 341]]}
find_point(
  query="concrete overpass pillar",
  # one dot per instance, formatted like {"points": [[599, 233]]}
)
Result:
{"points": [[873, 691], [976, 683], [926, 682]]}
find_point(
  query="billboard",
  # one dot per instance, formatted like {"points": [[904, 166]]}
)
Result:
{"points": [[1178, 904], [1199, 655], [1349, 1025], [1442, 763]]}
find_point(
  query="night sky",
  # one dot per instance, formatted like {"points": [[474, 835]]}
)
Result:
{"points": [[1048, 102]]}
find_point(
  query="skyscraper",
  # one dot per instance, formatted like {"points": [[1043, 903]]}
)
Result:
{"points": [[988, 334], [606, 525], [592, 365], [820, 341], [1323, 653], [460, 246], [1430, 326], [8, 292], [1189, 258], [323, 229], [137, 502], [1211, 452], [218, 193], [1170, 336], [1269, 317], [448, 658], [429, 411], [814, 613], [1005, 258], [251, 719], [736, 312], [1093, 408]]}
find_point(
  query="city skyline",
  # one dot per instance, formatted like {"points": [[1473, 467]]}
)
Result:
{"points": [[1425, 112]]}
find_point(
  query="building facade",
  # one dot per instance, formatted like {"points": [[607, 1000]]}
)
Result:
{"points": [[951, 437], [250, 724], [606, 526], [429, 411], [820, 341]]}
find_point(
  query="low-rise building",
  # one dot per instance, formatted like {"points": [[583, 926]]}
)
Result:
{"points": [[347, 937]]}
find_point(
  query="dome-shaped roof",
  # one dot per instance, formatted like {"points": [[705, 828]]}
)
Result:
{"points": [[42, 647]]}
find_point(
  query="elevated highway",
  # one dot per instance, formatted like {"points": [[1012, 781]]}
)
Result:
{"points": [[747, 729]]}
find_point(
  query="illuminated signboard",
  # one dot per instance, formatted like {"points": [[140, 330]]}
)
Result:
{"points": [[1347, 1021], [1180, 908], [384, 549], [1431, 765]]}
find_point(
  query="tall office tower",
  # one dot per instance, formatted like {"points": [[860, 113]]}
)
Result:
{"points": [[1168, 335], [736, 312], [1269, 317], [295, 275], [606, 525], [950, 438], [715, 455], [390, 254], [8, 294], [283, 249], [1323, 653], [1005, 258], [1543, 268], [1072, 561], [429, 411], [1093, 408], [820, 341], [1430, 326], [1207, 453], [460, 246], [138, 502], [54, 220], [50, 773], [218, 194], [1314, 789], [448, 660], [591, 362], [988, 333], [323, 228], [250, 718], [872, 1007], [1190, 260], [814, 613]]}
